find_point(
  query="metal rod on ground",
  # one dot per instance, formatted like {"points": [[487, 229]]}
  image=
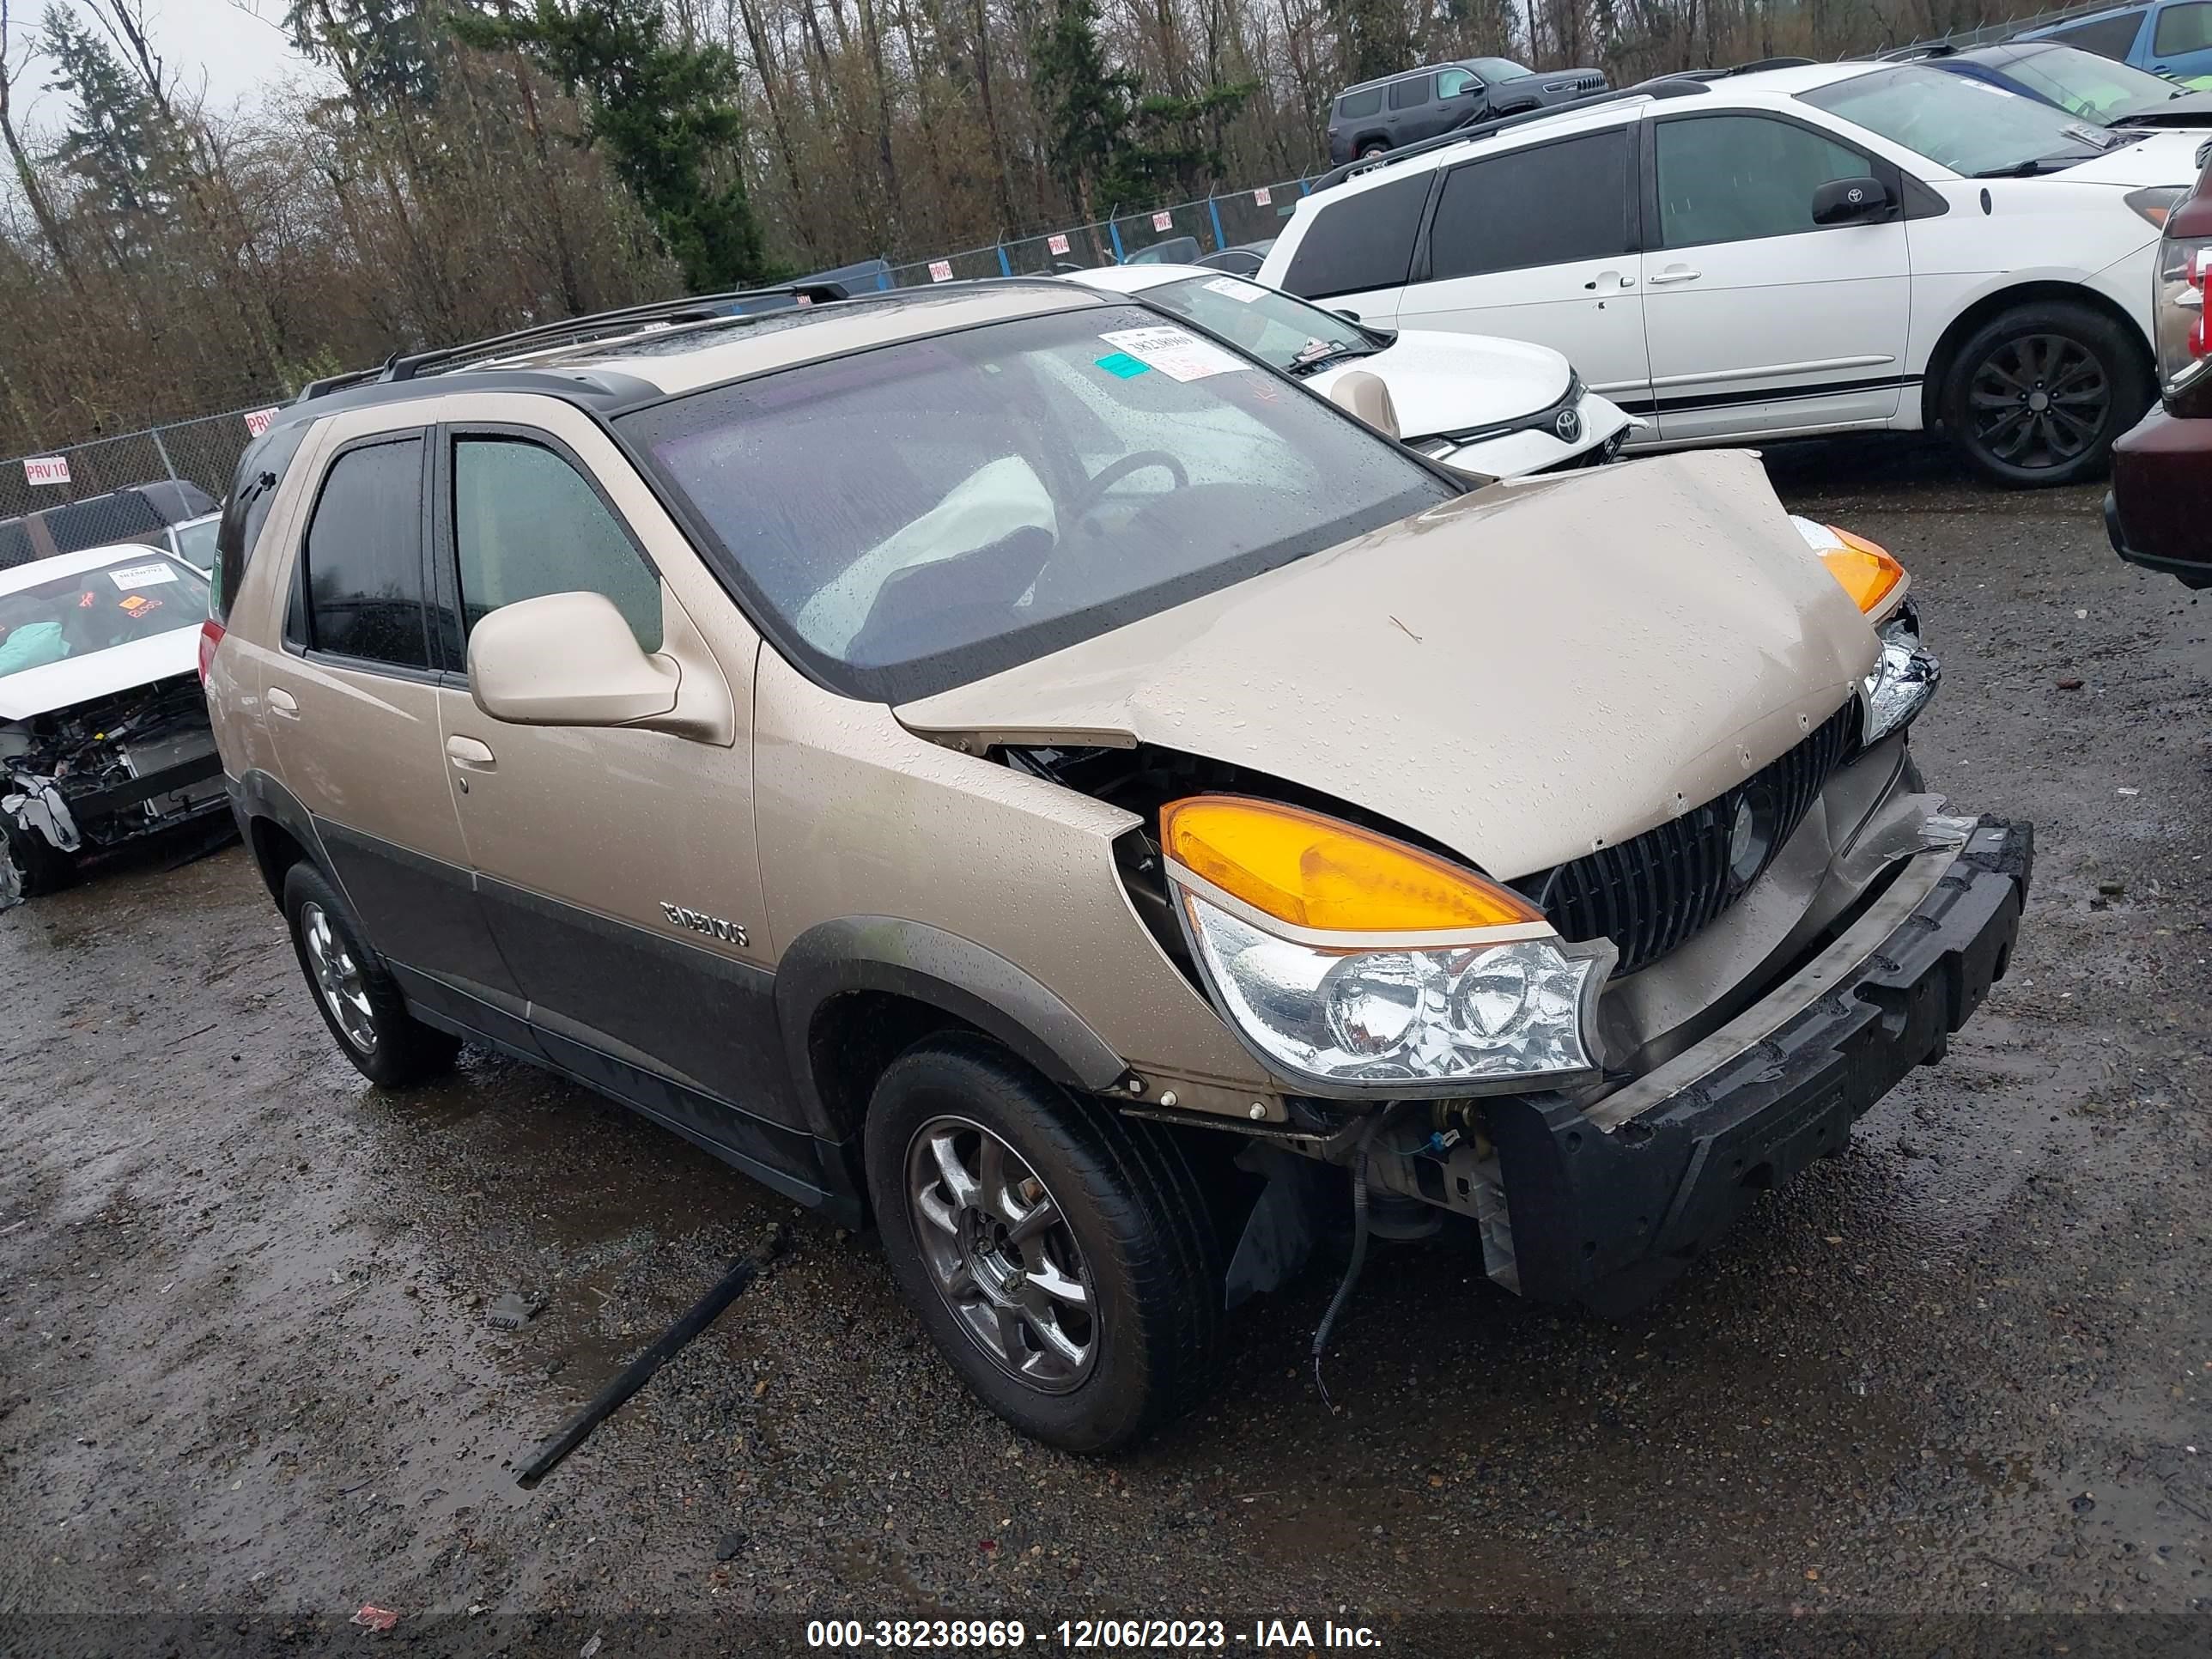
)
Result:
{"points": [[640, 1369]]}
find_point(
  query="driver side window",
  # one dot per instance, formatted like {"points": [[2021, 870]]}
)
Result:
{"points": [[1741, 178], [526, 524]]}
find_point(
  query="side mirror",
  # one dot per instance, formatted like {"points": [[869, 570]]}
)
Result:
{"points": [[1360, 393], [566, 659], [1850, 201], [1348, 316]]}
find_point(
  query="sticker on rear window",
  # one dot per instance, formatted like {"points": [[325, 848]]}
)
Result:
{"points": [[1121, 366], [1176, 353], [1242, 293], [142, 575]]}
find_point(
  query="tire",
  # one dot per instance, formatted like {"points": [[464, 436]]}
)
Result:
{"points": [[1124, 1222], [356, 997], [2046, 350], [1368, 152], [31, 866]]}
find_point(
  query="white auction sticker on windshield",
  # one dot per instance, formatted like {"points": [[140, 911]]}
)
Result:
{"points": [[142, 575], [1176, 353], [1242, 293]]}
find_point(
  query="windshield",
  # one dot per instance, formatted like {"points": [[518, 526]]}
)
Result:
{"points": [[1495, 69], [1273, 327], [2089, 85], [914, 517], [130, 598], [196, 542], [1968, 126]]}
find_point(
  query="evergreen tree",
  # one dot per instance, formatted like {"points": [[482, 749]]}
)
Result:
{"points": [[117, 149], [665, 115], [384, 48]]}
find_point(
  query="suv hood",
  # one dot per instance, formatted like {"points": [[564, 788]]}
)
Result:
{"points": [[1442, 382], [119, 668], [1523, 674]]}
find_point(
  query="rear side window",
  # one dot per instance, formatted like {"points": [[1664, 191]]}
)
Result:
{"points": [[2108, 37], [104, 519], [2184, 28], [1543, 206], [526, 524], [1410, 93], [1365, 240], [253, 492], [1353, 104], [363, 558]]}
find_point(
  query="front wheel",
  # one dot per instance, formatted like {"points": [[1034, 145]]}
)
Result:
{"points": [[31, 866], [2037, 395], [1062, 1258]]}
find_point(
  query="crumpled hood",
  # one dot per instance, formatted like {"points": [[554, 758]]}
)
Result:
{"points": [[1443, 382], [120, 667], [1522, 674]]}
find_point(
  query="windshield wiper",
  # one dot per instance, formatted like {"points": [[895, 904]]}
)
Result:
{"points": [[1322, 353], [2034, 165]]}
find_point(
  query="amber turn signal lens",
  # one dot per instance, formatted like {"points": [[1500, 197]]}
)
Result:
{"points": [[1868, 574], [1318, 872]]}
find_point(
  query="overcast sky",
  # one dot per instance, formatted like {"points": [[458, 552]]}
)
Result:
{"points": [[214, 43]]}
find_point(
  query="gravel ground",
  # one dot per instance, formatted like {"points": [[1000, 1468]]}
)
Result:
{"points": [[1946, 1391]]}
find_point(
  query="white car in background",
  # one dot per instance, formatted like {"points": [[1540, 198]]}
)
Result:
{"points": [[104, 735], [1497, 407], [1782, 253], [193, 541]]}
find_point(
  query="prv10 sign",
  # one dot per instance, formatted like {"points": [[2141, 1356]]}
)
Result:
{"points": [[46, 469], [257, 422]]}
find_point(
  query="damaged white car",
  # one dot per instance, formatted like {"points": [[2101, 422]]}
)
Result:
{"points": [[104, 734]]}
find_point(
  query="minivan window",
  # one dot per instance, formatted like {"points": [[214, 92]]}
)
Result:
{"points": [[1969, 126], [1353, 104], [1542, 206], [363, 554], [1410, 93], [2183, 29], [253, 492], [526, 524], [1739, 177], [1009, 491], [1362, 240]]}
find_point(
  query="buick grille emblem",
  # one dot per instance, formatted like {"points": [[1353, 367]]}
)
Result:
{"points": [[1569, 425]]}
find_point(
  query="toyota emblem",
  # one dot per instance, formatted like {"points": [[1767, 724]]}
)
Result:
{"points": [[1568, 425]]}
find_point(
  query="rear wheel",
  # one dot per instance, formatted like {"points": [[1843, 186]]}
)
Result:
{"points": [[1063, 1259], [31, 866], [2037, 395], [355, 995], [1373, 148]]}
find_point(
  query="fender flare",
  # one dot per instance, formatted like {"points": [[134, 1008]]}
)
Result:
{"points": [[943, 970], [256, 794]]}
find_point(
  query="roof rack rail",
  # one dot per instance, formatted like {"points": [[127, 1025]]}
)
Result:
{"points": [[691, 308], [1666, 87], [1914, 54]]}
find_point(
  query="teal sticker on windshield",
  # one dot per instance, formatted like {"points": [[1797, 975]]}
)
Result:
{"points": [[1122, 366]]}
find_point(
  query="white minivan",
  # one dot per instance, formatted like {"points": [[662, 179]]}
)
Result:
{"points": [[1815, 249]]}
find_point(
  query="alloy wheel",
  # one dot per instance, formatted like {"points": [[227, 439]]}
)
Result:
{"points": [[1000, 1253], [338, 977], [2039, 401]]}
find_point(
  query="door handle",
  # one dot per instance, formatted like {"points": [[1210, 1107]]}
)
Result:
{"points": [[1609, 276], [470, 755], [1674, 274], [282, 703]]}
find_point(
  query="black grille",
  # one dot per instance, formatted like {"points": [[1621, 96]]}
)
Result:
{"points": [[1658, 892]]}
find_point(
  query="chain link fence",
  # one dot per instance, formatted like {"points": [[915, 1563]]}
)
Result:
{"points": [[1182, 234], [91, 493]]}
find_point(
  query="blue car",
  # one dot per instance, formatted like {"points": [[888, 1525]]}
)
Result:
{"points": [[2167, 37], [2097, 89]]}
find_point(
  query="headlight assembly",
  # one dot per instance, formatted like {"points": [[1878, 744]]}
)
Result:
{"points": [[1876, 581], [1904, 678], [1357, 963]]}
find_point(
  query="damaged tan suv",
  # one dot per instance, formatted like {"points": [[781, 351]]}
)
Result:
{"points": [[997, 763]]}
